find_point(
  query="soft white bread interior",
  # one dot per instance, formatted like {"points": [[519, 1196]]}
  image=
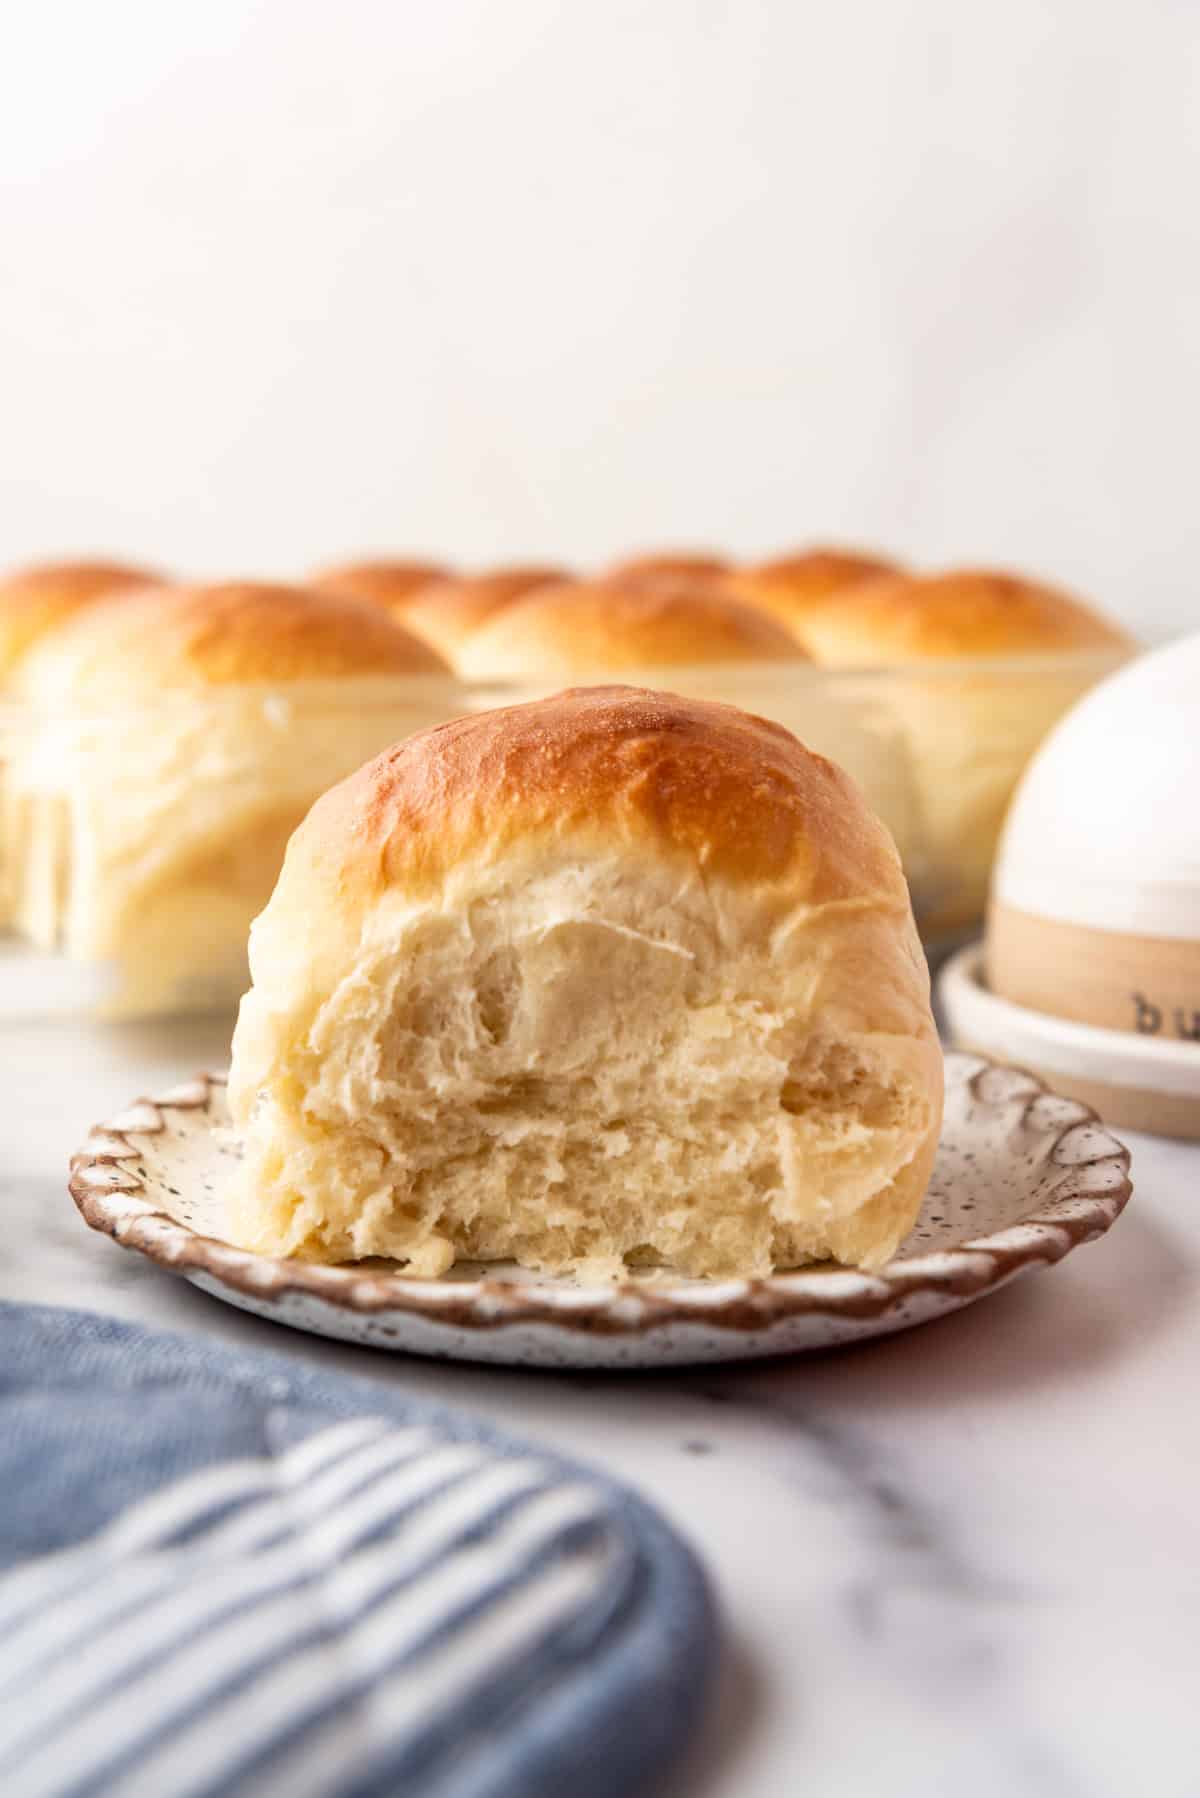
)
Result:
{"points": [[609, 979], [174, 743]]}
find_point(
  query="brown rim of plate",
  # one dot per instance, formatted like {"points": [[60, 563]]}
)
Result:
{"points": [[1085, 1203]]}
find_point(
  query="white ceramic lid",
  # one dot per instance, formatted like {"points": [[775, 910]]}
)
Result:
{"points": [[1105, 827]]}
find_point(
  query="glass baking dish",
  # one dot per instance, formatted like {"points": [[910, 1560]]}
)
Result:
{"points": [[136, 846], [969, 728], [938, 748]]}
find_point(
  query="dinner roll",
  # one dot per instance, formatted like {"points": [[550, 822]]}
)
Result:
{"points": [[35, 600], [1027, 652], [182, 737], [382, 583], [681, 561], [448, 612], [607, 979], [596, 627], [963, 612], [235, 633], [790, 587]]}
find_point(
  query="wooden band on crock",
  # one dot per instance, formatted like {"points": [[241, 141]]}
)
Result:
{"points": [[1143, 984]]}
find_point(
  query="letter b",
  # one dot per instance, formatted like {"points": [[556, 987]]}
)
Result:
{"points": [[1149, 1017]]}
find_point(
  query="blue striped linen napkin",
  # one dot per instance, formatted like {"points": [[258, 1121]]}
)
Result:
{"points": [[230, 1573]]}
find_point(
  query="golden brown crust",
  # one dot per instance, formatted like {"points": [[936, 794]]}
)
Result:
{"points": [[789, 587], [238, 632], [963, 612], [34, 600], [448, 612], [382, 583], [732, 795], [683, 562], [597, 627]]}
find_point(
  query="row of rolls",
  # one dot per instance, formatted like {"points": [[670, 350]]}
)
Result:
{"points": [[160, 740]]}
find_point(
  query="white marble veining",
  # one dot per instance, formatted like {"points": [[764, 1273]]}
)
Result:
{"points": [[962, 1560]]}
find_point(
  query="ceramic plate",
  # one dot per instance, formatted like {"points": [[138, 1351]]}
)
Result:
{"points": [[1022, 1178]]}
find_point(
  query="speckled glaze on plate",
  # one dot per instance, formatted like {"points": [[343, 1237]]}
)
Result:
{"points": [[1022, 1177]]}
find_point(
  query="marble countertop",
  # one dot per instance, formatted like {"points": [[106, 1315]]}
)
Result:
{"points": [[965, 1559]]}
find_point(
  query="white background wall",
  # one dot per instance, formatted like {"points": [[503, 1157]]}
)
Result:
{"points": [[289, 280]]}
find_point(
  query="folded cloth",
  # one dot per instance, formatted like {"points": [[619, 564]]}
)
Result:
{"points": [[230, 1573]]}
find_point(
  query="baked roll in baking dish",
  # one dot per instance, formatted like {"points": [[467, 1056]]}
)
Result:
{"points": [[170, 747], [789, 587], [690, 563], [448, 612], [577, 629], [34, 601], [384, 581], [607, 979], [981, 665]]}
